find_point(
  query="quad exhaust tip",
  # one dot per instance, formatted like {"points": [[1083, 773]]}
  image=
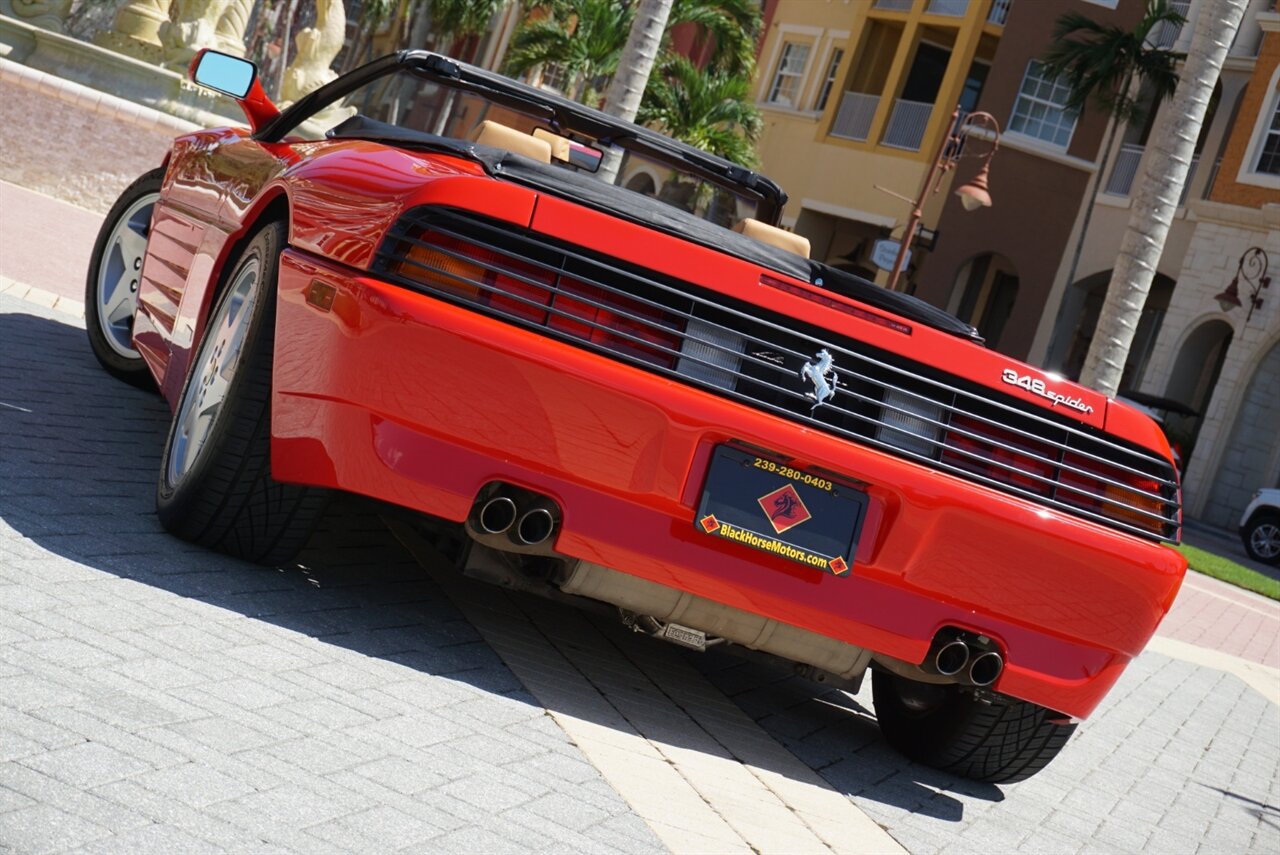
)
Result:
{"points": [[986, 668], [496, 515], [535, 527], [514, 519], [951, 658], [968, 659]]}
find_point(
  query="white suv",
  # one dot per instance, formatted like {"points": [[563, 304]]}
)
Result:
{"points": [[1260, 527]]}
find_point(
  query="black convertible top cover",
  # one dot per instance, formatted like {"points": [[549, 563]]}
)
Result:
{"points": [[652, 213]]}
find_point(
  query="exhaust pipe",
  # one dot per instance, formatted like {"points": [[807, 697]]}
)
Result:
{"points": [[951, 658], [513, 519], [535, 527], [986, 668], [496, 515]]}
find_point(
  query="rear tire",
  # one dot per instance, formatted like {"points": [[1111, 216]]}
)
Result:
{"points": [[215, 479], [1001, 742], [111, 286], [1262, 537]]}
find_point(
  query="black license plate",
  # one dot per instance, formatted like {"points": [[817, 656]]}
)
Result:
{"points": [[802, 516]]}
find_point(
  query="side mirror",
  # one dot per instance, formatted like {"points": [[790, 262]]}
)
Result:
{"points": [[237, 78], [224, 73]]}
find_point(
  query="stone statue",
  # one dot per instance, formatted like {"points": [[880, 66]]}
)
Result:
{"points": [[316, 48], [47, 14], [193, 27], [231, 27], [135, 31]]}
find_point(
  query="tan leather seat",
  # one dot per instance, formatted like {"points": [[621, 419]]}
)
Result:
{"points": [[774, 236], [559, 145], [500, 136]]}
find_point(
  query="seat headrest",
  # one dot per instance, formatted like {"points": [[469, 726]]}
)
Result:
{"points": [[500, 136], [774, 236], [559, 145]]}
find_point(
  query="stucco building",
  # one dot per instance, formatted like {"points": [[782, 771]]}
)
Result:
{"points": [[859, 93], [1224, 359]]}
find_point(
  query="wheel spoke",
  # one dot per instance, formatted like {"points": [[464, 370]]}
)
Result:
{"points": [[133, 246], [120, 303]]}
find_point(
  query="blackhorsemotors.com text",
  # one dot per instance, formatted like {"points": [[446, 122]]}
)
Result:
{"points": [[768, 544]]}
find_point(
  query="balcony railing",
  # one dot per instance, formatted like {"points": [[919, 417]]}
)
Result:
{"points": [[1213, 176], [894, 5], [1124, 170], [1166, 34], [951, 8], [853, 119], [907, 124], [1247, 41], [999, 13], [1191, 175]]}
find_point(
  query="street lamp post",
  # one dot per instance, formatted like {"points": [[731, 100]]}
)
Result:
{"points": [[973, 195], [1252, 268]]}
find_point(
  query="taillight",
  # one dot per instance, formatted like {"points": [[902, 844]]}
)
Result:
{"points": [[616, 321], [439, 267], [523, 291], [1111, 491], [999, 454]]}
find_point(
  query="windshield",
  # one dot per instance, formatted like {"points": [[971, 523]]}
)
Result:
{"points": [[406, 100]]}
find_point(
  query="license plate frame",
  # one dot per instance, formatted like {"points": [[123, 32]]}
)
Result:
{"points": [[799, 515]]}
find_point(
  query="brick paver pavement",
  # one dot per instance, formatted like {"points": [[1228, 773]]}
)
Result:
{"points": [[156, 697], [1178, 759], [1212, 614]]}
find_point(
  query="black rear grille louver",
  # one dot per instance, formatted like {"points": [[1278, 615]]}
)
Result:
{"points": [[742, 352]]}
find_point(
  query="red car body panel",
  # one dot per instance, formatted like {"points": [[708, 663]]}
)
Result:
{"points": [[393, 394]]}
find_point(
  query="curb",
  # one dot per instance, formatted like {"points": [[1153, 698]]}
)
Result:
{"points": [[111, 106], [40, 297]]}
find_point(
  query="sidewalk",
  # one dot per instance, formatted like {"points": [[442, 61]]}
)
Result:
{"points": [[1212, 614], [45, 243]]}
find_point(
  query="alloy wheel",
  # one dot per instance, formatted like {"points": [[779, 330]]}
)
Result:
{"points": [[1265, 540], [120, 273], [215, 369]]}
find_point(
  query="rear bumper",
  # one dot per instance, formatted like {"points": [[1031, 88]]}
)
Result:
{"points": [[395, 395]]}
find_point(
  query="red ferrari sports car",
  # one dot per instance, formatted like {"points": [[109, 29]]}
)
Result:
{"points": [[589, 352]]}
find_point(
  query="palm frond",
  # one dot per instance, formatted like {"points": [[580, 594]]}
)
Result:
{"points": [[463, 17], [1098, 62], [710, 111]]}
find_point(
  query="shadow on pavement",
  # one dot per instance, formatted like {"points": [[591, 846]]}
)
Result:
{"points": [[79, 453], [1266, 813]]}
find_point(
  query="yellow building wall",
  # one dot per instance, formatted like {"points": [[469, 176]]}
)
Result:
{"points": [[839, 174]]}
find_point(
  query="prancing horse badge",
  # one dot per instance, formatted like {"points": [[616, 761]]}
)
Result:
{"points": [[822, 374]]}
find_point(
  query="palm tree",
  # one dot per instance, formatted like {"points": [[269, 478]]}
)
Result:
{"points": [[591, 40], [1110, 66], [1173, 141], [583, 38], [732, 26], [709, 110]]}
